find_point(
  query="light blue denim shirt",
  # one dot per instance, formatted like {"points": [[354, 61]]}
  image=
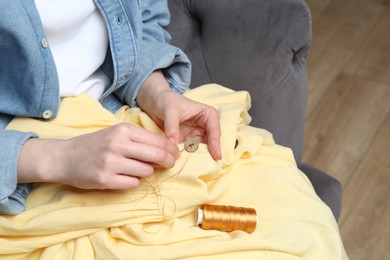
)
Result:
{"points": [[29, 83]]}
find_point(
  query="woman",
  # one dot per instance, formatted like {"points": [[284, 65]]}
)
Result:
{"points": [[68, 69], [118, 55]]}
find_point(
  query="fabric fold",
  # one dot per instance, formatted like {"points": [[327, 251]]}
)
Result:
{"points": [[157, 219]]}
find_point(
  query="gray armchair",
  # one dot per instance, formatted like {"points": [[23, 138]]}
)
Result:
{"points": [[260, 46]]}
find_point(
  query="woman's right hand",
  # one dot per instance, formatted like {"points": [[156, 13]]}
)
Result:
{"points": [[112, 158]]}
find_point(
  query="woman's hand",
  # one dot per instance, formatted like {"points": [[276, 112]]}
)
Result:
{"points": [[179, 116], [112, 158], [118, 156]]}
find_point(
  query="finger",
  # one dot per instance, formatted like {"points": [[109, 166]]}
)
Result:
{"points": [[123, 182], [152, 140], [150, 154], [172, 126], [214, 135], [135, 168], [215, 149]]}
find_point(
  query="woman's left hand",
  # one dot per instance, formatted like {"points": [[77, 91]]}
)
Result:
{"points": [[179, 116]]}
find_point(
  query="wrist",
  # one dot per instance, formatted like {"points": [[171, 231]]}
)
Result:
{"points": [[153, 87], [39, 161]]}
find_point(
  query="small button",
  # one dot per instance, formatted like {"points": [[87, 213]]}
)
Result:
{"points": [[44, 42], [47, 114], [191, 145]]}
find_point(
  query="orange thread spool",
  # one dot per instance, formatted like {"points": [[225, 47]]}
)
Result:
{"points": [[226, 218]]}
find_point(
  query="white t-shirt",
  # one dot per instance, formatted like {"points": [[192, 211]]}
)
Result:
{"points": [[78, 39]]}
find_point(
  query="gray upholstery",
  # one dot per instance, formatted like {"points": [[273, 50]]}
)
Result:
{"points": [[260, 46], [327, 188]]}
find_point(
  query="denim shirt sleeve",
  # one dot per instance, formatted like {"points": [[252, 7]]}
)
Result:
{"points": [[155, 52], [12, 195]]}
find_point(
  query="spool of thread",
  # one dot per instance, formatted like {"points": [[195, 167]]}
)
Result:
{"points": [[226, 218]]}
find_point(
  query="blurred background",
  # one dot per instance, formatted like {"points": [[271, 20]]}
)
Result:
{"points": [[348, 122]]}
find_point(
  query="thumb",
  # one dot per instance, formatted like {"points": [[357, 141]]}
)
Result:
{"points": [[171, 126]]}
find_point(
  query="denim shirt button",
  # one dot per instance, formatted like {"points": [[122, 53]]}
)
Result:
{"points": [[44, 42], [47, 114]]}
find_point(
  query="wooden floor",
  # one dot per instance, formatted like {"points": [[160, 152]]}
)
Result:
{"points": [[348, 123]]}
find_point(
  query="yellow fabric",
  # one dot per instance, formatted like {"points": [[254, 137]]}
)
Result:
{"points": [[157, 220]]}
